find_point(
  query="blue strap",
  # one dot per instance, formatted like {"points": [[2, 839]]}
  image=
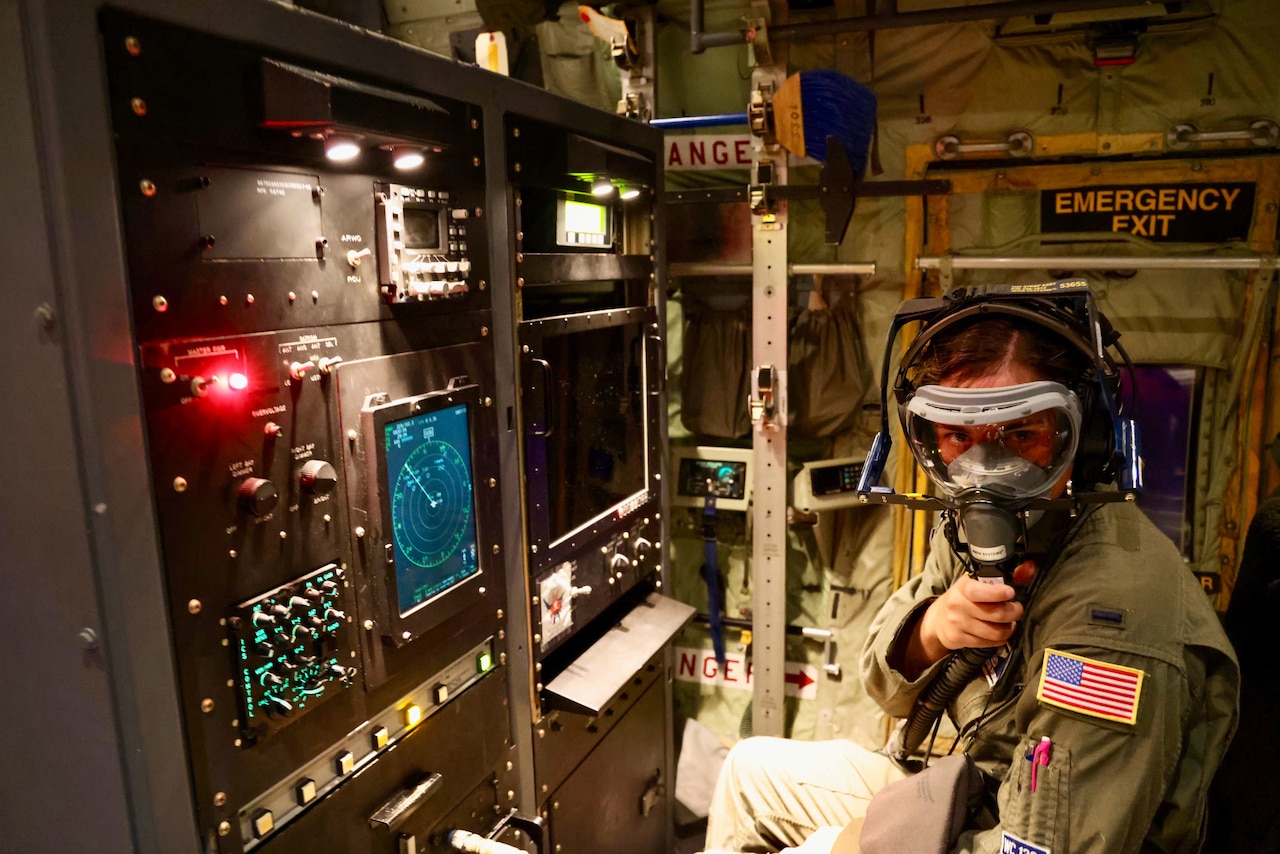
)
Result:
{"points": [[711, 574]]}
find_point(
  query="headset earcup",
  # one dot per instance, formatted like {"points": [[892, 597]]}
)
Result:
{"points": [[1096, 461]]}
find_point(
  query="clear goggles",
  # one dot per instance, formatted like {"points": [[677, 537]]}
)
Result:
{"points": [[1014, 442]]}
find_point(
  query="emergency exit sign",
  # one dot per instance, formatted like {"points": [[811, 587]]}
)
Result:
{"points": [[700, 665], [1188, 213]]}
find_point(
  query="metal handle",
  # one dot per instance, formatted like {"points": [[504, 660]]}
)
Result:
{"points": [[1019, 144], [548, 398], [1264, 133], [660, 360], [404, 802]]}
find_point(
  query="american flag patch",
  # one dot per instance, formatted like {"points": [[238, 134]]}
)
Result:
{"points": [[1090, 687]]}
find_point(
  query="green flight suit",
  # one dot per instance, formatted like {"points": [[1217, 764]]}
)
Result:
{"points": [[1119, 593]]}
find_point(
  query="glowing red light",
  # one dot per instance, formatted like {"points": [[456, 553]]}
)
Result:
{"points": [[238, 381]]}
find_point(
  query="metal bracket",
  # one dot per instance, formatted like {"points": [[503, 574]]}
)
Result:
{"points": [[654, 794], [827, 638], [1019, 144], [763, 403]]}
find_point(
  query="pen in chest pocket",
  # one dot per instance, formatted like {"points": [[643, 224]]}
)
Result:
{"points": [[1038, 757]]}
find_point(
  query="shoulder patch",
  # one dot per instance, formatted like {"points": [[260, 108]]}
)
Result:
{"points": [[1010, 844], [1090, 687]]}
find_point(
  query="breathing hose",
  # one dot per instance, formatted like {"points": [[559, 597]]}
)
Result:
{"points": [[929, 706]]}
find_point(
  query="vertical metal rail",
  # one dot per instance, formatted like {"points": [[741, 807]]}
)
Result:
{"points": [[769, 445]]}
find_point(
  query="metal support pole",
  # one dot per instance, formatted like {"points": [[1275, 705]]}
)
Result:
{"points": [[769, 444]]}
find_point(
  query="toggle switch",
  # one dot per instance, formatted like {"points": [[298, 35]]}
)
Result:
{"points": [[354, 258]]}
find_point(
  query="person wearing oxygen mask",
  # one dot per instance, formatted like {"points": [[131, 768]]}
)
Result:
{"points": [[1092, 689]]}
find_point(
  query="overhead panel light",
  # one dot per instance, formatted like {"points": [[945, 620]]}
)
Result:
{"points": [[601, 187], [629, 193], [406, 157], [340, 148]]}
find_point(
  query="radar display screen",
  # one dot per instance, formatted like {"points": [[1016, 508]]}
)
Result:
{"points": [[715, 478], [421, 228], [433, 523]]}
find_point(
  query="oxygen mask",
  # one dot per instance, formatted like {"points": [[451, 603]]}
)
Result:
{"points": [[991, 452]]}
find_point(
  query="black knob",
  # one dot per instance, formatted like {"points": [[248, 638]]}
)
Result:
{"points": [[258, 495], [318, 477]]}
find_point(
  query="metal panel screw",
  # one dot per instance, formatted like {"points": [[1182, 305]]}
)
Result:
{"points": [[206, 706], [194, 606], [225, 827], [179, 484], [220, 799], [159, 303], [132, 45], [139, 106], [148, 187]]}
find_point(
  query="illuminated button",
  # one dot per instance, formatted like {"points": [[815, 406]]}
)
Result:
{"points": [[306, 791], [344, 763], [380, 738], [451, 267], [440, 694], [484, 661], [263, 823], [458, 288], [464, 266], [458, 213], [437, 266], [412, 715], [436, 289]]}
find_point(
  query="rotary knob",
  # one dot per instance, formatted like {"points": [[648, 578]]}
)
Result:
{"points": [[258, 495], [319, 477]]}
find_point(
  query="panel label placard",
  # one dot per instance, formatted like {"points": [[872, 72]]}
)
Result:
{"points": [[1194, 213]]}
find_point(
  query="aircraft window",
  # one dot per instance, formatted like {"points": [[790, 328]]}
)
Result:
{"points": [[1167, 396]]}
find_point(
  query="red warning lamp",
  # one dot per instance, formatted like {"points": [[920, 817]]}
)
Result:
{"points": [[238, 381]]}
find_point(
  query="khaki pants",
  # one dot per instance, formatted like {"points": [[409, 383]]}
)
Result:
{"points": [[773, 793]]}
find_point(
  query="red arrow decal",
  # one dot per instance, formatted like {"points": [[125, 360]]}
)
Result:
{"points": [[801, 680]]}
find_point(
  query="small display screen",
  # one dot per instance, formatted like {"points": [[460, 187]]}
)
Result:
{"points": [[585, 218], [433, 523], [834, 480], [421, 228], [583, 224], [714, 478]]}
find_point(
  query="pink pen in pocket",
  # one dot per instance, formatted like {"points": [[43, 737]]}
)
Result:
{"points": [[1039, 756]]}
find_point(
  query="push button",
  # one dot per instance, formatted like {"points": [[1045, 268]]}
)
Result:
{"points": [[306, 791], [263, 823], [344, 763]]}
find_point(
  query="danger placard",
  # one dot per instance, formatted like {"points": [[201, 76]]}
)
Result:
{"points": [[700, 665], [708, 151]]}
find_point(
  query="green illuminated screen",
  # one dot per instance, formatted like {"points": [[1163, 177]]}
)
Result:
{"points": [[584, 218]]}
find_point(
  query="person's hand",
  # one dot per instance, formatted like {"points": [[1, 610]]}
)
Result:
{"points": [[971, 613]]}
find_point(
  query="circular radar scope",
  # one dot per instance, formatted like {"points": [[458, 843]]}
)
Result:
{"points": [[431, 504]]}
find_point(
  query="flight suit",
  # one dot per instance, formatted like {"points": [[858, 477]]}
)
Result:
{"points": [[1119, 595]]}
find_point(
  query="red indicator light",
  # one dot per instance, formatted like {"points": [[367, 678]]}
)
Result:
{"points": [[238, 381]]}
